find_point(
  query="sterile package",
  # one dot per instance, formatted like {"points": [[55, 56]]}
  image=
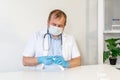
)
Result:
{"points": [[53, 67]]}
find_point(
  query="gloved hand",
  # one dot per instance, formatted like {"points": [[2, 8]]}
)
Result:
{"points": [[60, 61], [47, 60]]}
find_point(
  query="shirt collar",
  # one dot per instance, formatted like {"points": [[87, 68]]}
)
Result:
{"points": [[59, 37]]}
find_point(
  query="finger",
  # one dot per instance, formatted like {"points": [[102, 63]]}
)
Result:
{"points": [[58, 61], [55, 61]]}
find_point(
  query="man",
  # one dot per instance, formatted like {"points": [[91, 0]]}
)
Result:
{"points": [[61, 48]]}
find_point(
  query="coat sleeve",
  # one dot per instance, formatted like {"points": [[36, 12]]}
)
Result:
{"points": [[75, 51], [29, 50]]}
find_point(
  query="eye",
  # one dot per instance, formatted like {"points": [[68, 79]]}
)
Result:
{"points": [[60, 26], [54, 24]]}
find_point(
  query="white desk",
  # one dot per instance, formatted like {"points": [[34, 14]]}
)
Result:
{"points": [[91, 72]]}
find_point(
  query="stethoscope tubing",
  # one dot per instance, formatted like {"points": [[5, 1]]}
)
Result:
{"points": [[49, 40]]}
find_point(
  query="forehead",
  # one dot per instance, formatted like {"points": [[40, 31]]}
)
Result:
{"points": [[60, 19]]}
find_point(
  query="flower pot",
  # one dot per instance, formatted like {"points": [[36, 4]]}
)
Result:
{"points": [[113, 60]]}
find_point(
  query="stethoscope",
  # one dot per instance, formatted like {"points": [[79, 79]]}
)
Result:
{"points": [[49, 40], [49, 45]]}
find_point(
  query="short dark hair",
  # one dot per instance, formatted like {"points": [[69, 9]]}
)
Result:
{"points": [[58, 14]]}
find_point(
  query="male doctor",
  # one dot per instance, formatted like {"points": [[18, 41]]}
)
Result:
{"points": [[51, 47]]}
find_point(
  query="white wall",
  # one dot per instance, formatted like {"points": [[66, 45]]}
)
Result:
{"points": [[20, 18]]}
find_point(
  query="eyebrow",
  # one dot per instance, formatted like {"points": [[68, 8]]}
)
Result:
{"points": [[59, 25]]}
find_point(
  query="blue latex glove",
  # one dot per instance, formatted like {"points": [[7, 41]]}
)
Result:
{"points": [[47, 60], [60, 61]]}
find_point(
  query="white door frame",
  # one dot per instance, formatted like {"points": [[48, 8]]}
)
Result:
{"points": [[100, 30]]}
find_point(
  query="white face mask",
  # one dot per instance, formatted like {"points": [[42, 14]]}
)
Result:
{"points": [[54, 30]]}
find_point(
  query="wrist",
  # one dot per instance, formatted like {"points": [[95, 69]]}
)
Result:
{"points": [[67, 64], [39, 59]]}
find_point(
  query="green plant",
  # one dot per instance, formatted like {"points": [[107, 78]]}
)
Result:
{"points": [[113, 46]]}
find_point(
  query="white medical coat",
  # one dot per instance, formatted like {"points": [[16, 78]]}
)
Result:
{"points": [[34, 47]]}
